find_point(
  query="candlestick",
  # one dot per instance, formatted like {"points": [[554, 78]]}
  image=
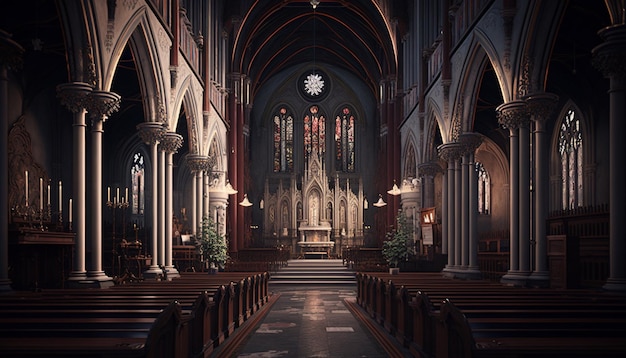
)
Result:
{"points": [[48, 194], [41, 194], [70, 212], [60, 196], [26, 184], [117, 194], [126, 195], [109, 194]]}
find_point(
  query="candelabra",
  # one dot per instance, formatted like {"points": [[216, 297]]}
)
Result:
{"points": [[114, 206]]}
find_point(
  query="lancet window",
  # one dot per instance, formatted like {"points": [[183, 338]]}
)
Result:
{"points": [[571, 153], [314, 132], [283, 141], [137, 172], [344, 141], [484, 191]]}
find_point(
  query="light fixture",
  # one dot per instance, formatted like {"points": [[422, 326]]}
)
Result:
{"points": [[394, 190], [314, 3], [228, 189], [245, 201], [365, 204], [380, 203]]}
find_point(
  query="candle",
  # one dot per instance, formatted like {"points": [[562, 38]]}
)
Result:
{"points": [[126, 195], [60, 196], [48, 194], [26, 183], [109, 194], [70, 211], [40, 193], [117, 195]]}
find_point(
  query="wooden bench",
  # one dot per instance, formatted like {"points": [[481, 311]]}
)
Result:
{"points": [[401, 304], [211, 306]]}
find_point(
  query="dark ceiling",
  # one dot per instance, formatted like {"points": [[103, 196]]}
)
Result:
{"points": [[351, 35]]}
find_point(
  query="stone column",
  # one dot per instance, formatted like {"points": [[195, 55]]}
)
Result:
{"points": [[524, 196], [152, 133], [469, 142], [197, 163], [73, 95], [218, 204], [509, 116], [170, 144], [161, 205], [428, 171], [540, 106], [609, 57], [10, 58], [450, 152], [444, 212], [100, 105]]}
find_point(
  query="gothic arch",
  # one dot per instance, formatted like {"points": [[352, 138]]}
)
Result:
{"points": [[186, 99], [145, 51], [411, 156]]}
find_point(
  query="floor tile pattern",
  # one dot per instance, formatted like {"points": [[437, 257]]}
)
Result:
{"points": [[311, 322]]}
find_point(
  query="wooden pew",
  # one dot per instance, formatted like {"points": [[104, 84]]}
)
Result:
{"points": [[400, 305], [128, 312]]}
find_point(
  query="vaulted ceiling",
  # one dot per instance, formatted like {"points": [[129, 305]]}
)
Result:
{"points": [[353, 35]]}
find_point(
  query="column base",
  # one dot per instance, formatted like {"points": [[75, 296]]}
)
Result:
{"points": [[172, 272], [152, 272], [615, 284], [515, 278], [100, 278], [5, 286], [539, 279], [77, 276]]}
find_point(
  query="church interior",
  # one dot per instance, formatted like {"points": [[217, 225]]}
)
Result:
{"points": [[162, 148]]}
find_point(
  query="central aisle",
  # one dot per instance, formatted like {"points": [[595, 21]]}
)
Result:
{"points": [[309, 321]]}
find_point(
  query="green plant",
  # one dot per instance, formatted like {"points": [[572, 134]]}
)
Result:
{"points": [[396, 247], [212, 246]]}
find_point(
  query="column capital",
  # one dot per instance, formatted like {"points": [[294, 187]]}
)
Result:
{"points": [[197, 162], [171, 142], [73, 95], [610, 56], [151, 132], [469, 142], [541, 105], [101, 104], [449, 151], [429, 169], [11, 52], [512, 115]]}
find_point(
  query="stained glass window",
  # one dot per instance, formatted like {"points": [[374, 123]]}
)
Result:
{"points": [[484, 189], [410, 168], [314, 132], [283, 141], [344, 141], [571, 152], [137, 182]]}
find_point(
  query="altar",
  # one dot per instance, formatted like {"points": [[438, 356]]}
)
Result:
{"points": [[315, 240]]}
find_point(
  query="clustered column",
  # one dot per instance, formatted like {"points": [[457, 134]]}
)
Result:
{"points": [[100, 105], [462, 203], [450, 153], [510, 116], [74, 95], [609, 57], [152, 134], [197, 163], [170, 145], [540, 106]]}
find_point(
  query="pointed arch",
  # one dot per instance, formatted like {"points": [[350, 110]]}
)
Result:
{"points": [[410, 155]]}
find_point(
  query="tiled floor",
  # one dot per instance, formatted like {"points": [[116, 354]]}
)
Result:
{"points": [[311, 321]]}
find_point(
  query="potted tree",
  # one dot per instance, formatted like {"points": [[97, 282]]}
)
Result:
{"points": [[396, 246], [212, 246]]}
